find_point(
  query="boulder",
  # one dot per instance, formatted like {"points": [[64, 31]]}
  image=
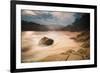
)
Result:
{"points": [[46, 41]]}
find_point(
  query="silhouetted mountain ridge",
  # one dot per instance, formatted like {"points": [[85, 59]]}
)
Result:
{"points": [[82, 24], [31, 26]]}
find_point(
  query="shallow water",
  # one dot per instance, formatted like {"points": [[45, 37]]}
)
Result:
{"points": [[62, 43]]}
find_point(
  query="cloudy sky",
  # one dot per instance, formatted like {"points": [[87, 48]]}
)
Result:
{"points": [[50, 17]]}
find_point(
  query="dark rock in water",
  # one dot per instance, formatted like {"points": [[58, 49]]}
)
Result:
{"points": [[46, 41]]}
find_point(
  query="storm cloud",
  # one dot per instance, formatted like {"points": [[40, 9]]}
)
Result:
{"points": [[50, 17]]}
